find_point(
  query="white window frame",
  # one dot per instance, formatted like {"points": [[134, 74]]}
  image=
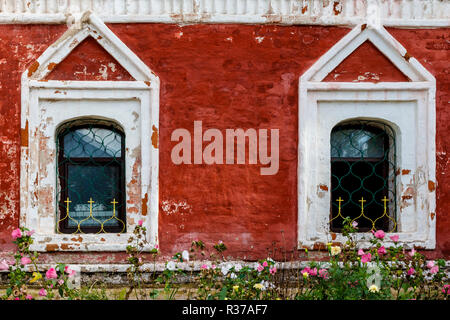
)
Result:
{"points": [[134, 105], [409, 107]]}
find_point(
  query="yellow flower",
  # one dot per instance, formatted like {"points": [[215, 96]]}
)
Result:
{"points": [[258, 286], [235, 288], [36, 277], [373, 288], [335, 250], [305, 274]]}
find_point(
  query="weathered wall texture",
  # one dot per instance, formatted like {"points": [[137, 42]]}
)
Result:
{"points": [[227, 76]]}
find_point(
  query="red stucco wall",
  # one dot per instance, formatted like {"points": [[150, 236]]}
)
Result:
{"points": [[227, 76]]}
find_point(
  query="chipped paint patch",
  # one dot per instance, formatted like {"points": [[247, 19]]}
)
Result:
{"points": [[405, 171], [407, 56], [155, 137], [24, 135], [170, 207], [431, 186], [337, 8], [32, 69], [50, 247], [144, 208], [51, 66]]}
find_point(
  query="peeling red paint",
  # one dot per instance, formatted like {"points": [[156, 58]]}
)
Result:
{"points": [[225, 84], [323, 187], [89, 61], [366, 64], [405, 171]]}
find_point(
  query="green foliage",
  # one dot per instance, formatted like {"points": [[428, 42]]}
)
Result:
{"points": [[350, 273]]}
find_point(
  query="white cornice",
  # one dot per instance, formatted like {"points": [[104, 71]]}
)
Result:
{"points": [[400, 13]]}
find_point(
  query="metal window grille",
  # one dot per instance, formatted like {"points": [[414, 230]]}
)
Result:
{"points": [[91, 178], [363, 174]]}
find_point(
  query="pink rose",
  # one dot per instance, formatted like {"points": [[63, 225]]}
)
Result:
{"points": [[434, 270], [446, 289], [360, 252], [29, 297], [273, 270], [411, 271], [69, 271], [430, 264], [16, 234], [323, 273], [306, 270], [42, 292], [29, 233], [51, 274], [381, 250], [140, 222], [366, 258], [379, 234], [4, 265], [204, 266], [313, 272], [260, 268], [394, 238], [61, 282], [265, 264], [412, 252], [25, 261]]}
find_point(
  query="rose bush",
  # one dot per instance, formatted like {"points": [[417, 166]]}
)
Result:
{"points": [[351, 272]]}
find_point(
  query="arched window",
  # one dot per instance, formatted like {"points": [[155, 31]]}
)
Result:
{"points": [[363, 175], [91, 177]]}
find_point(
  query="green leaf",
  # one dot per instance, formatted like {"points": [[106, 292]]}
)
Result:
{"points": [[223, 293], [61, 267]]}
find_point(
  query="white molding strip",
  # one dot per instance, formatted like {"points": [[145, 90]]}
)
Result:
{"points": [[398, 13]]}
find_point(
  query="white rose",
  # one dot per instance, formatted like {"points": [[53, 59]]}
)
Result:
{"points": [[185, 255], [170, 265]]}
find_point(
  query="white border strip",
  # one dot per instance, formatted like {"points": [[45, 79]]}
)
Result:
{"points": [[401, 13]]}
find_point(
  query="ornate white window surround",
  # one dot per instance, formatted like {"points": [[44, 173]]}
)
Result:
{"points": [[409, 107], [134, 105]]}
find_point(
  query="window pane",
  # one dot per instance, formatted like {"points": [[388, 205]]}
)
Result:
{"points": [[91, 176], [100, 184], [92, 142], [363, 176], [351, 143]]}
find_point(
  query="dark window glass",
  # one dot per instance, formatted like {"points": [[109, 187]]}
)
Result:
{"points": [[91, 176], [363, 176]]}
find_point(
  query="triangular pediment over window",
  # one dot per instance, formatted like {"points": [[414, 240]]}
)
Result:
{"points": [[388, 51], [119, 62]]}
